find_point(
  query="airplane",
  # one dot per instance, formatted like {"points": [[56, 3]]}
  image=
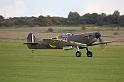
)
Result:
{"points": [[67, 41]]}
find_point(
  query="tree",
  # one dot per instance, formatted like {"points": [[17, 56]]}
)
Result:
{"points": [[73, 18], [1, 20], [41, 21], [116, 16], [121, 20], [93, 18], [100, 19], [89, 18]]}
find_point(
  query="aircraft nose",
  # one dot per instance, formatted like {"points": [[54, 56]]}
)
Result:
{"points": [[97, 35]]}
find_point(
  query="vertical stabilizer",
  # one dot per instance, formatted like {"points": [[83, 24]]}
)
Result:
{"points": [[31, 38]]}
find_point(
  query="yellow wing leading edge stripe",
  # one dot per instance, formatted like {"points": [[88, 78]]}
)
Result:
{"points": [[52, 46]]}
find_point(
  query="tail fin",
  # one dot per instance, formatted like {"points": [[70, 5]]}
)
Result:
{"points": [[31, 38]]}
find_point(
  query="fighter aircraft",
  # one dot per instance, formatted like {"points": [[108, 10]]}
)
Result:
{"points": [[67, 41]]}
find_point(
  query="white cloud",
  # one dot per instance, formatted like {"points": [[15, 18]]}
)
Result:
{"points": [[16, 9], [105, 6]]}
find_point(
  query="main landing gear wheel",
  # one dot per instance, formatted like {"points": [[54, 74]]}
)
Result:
{"points": [[78, 54], [89, 54]]}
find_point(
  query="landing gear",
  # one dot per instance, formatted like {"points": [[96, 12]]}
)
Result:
{"points": [[89, 53], [78, 54]]}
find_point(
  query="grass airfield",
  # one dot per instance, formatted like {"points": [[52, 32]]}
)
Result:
{"points": [[18, 64]]}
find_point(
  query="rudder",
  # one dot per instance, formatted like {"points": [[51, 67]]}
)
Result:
{"points": [[31, 38]]}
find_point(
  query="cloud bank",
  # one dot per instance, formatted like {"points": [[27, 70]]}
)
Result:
{"points": [[17, 8]]}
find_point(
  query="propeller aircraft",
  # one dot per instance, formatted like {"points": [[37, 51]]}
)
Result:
{"points": [[67, 41]]}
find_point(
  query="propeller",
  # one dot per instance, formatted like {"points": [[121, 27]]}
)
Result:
{"points": [[94, 36], [98, 36]]}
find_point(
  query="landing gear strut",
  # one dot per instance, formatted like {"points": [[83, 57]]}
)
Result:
{"points": [[89, 53]]}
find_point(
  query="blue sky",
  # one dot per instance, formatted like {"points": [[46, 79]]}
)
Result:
{"points": [[15, 8]]}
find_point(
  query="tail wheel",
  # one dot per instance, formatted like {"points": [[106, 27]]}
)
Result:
{"points": [[78, 54], [89, 54]]}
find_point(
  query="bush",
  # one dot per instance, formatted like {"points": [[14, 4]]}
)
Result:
{"points": [[83, 28], [115, 33], [50, 29]]}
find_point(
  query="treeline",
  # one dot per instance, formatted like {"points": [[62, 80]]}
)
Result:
{"points": [[73, 19]]}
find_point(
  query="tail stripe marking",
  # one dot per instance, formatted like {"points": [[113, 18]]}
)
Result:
{"points": [[33, 38]]}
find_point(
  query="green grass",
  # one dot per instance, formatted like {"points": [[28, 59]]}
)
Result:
{"points": [[18, 64]]}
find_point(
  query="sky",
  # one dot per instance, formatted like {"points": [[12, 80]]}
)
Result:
{"points": [[61, 8]]}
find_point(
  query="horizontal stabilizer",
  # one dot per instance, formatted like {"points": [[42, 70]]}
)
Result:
{"points": [[31, 43]]}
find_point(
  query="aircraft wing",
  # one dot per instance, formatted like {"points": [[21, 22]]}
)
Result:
{"points": [[31, 43], [79, 44], [98, 43], [63, 44]]}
